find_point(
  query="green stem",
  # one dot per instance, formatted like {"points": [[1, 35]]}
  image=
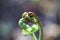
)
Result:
{"points": [[33, 36], [40, 32]]}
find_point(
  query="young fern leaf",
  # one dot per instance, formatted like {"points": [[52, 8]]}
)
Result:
{"points": [[27, 30]]}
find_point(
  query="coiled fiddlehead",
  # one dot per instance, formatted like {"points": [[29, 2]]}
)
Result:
{"points": [[32, 18]]}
